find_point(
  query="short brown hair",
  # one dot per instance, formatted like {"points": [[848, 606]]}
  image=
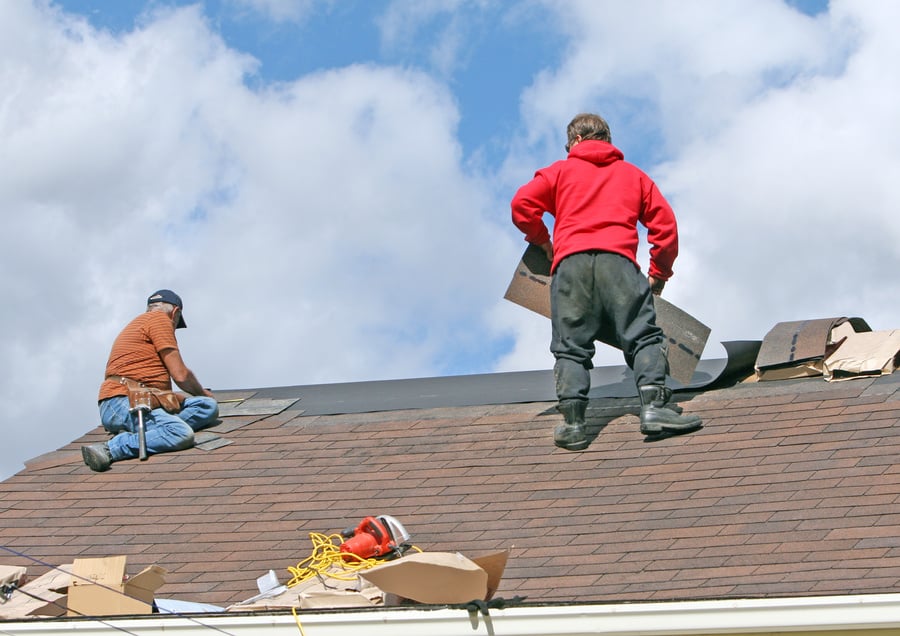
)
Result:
{"points": [[588, 126]]}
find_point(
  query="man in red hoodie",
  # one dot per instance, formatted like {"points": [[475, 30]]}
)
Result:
{"points": [[597, 291]]}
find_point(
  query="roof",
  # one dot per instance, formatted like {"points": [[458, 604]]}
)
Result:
{"points": [[790, 490]]}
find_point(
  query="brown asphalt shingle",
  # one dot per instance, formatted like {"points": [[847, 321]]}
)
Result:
{"points": [[790, 489]]}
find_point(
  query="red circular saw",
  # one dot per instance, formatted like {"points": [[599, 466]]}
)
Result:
{"points": [[375, 537]]}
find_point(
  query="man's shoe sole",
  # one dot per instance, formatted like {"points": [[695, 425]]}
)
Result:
{"points": [[570, 437], [560, 438], [93, 461], [574, 446], [671, 428]]}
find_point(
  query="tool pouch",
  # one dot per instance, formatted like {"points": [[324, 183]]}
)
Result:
{"points": [[168, 400], [171, 401]]}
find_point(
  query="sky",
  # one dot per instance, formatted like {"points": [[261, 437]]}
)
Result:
{"points": [[326, 183]]}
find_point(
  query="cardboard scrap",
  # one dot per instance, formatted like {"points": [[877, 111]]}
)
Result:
{"points": [[99, 587], [319, 592], [797, 349], [431, 577], [439, 578], [867, 354], [325, 599], [311, 596], [281, 598], [686, 336], [494, 564], [43, 596], [12, 574]]}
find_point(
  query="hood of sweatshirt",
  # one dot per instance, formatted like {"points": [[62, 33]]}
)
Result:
{"points": [[596, 151]]}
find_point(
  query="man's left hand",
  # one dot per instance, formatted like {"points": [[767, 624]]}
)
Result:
{"points": [[548, 250]]}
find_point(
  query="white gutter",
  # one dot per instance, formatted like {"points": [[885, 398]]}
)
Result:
{"points": [[832, 614]]}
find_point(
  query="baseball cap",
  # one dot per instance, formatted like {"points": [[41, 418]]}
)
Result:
{"points": [[168, 296]]}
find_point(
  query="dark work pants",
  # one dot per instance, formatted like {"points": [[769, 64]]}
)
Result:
{"points": [[603, 296]]}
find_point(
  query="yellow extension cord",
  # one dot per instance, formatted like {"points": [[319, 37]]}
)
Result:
{"points": [[327, 560], [297, 618]]}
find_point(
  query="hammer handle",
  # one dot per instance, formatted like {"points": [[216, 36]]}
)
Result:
{"points": [[142, 436]]}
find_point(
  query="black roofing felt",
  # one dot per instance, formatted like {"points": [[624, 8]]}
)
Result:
{"points": [[495, 388]]}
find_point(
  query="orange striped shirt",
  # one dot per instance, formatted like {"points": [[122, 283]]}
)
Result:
{"points": [[135, 354]]}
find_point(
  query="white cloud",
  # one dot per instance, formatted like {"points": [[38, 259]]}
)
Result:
{"points": [[374, 235], [319, 230], [773, 134], [445, 29], [280, 10]]}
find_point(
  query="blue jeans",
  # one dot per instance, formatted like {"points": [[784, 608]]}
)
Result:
{"points": [[165, 431]]}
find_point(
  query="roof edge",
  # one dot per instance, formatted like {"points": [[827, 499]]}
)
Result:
{"points": [[750, 617]]}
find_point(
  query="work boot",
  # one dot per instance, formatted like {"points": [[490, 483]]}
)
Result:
{"points": [[571, 434], [658, 417], [97, 456]]}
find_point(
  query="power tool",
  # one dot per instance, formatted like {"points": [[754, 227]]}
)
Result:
{"points": [[379, 537]]}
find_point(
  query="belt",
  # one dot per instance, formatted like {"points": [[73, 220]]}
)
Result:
{"points": [[128, 382], [119, 379]]}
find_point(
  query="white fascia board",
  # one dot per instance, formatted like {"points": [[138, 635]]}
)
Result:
{"points": [[834, 614]]}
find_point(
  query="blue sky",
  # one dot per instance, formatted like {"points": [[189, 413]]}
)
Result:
{"points": [[503, 47], [327, 183]]}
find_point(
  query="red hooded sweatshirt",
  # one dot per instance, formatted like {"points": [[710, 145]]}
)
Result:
{"points": [[597, 199]]}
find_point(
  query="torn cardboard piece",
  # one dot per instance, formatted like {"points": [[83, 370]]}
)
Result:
{"points": [[279, 598], [12, 578], [313, 593], [328, 599], [797, 349], [43, 596], [315, 596], [99, 587], [867, 354], [13, 575], [686, 336], [494, 564], [439, 578]]}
